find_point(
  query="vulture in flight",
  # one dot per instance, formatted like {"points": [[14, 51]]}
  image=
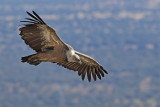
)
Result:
{"points": [[50, 48]]}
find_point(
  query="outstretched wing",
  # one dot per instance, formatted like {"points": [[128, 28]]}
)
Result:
{"points": [[37, 34], [88, 65]]}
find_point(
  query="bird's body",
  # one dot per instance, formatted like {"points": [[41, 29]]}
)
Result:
{"points": [[50, 48]]}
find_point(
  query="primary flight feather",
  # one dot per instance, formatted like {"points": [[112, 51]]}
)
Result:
{"points": [[50, 48]]}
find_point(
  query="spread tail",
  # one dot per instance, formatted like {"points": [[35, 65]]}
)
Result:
{"points": [[31, 59]]}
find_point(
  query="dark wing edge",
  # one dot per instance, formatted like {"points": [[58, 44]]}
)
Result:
{"points": [[88, 67], [38, 35], [93, 67], [35, 18]]}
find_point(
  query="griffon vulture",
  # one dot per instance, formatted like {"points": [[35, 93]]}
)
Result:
{"points": [[50, 48]]}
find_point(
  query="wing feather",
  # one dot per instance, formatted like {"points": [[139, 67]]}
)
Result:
{"points": [[101, 72], [37, 34], [35, 17], [89, 73], [76, 66], [84, 72], [31, 22], [39, 18], [98, 69], [29, 19], [80, 71], [98, 74], [103, 69], [93, 73], [88, 66]]}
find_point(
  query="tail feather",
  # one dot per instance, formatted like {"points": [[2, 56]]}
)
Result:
{"points": [[31, 59]]}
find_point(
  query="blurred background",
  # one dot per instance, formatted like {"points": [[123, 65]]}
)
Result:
{"points": [[122, 35]]}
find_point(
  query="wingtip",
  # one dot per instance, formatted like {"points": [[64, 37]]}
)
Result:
{"points": [[97, 73], [94, 77], [104, 70], [33, 12], [89, 79], [27, 12]]}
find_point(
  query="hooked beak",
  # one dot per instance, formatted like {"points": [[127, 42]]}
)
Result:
{"points": [[79, 61]]}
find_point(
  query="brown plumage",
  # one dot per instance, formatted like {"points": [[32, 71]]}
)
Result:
{"points": [[50, 48]]}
